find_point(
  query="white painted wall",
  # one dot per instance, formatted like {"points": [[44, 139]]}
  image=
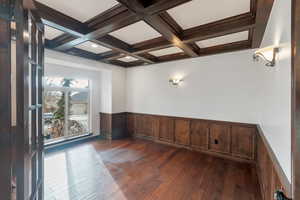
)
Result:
{"points": [[275, 90], [107, 81], [228, 87], [219, 87]]}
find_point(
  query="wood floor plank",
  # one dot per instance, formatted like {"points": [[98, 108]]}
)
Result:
{"points": [[143, 170]]}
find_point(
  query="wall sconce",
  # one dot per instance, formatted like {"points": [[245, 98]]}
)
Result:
{"points": [[175, 81], [269, 55]]}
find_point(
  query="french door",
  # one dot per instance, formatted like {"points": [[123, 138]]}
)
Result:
{"points": [[21, 88]]}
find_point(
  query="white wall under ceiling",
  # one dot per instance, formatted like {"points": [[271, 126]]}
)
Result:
{"points": [[220, 87], [228, 87]]}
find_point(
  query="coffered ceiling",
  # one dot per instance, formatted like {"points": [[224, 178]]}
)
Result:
{"points": [[138, 32], [199, 12]]}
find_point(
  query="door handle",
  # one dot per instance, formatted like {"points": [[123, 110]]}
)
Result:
{"points": [[279, 195]]}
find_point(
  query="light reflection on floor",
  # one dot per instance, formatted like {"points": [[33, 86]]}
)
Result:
{"points": [[79, 174]]}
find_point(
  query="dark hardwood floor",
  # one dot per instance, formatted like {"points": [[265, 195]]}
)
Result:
{"points": [[138, 169]]}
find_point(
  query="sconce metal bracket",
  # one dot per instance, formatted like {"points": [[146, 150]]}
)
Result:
{"points": [[270, 63]]}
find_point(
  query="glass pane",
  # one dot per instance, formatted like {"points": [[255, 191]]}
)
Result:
{"points": [[66, 82], [78, 121], [54, 114]]}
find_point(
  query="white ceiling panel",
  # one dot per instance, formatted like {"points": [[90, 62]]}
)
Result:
{"points": [[92, 47], [79, 9], [199, 12], [51, 33], [166, 51], [235, 37], [128, 59], [135, 33]]}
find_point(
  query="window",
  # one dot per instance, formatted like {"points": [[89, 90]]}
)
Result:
{"points": [[66, 108]]}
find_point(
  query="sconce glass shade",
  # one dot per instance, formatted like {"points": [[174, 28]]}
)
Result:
{"points": [[269, 55]]}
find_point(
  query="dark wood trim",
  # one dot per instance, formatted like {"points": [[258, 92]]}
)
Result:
{"points": [[263, 13], [160, 25], [223, 27], [284, 181], [225, 48], [163, 5], [151, 45], [295, 110], [5, 106]]}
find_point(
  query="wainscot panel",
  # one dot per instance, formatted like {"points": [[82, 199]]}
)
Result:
{"points": [[113, 125], [229, 140], [270, 174]]}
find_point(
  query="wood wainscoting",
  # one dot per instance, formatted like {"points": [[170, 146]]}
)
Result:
{"points": [[270, 174], [113, 125], [236, 141]]}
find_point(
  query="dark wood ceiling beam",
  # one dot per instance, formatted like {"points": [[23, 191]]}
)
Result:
{"points": [[151, 45], [118, 62], [106, 15], [159, 24], [123, 19], [61, 21], [165, 15], [163, 5], [135, 63], [111, 55], [231, 47], [223, 27], [264, 8], [230, 25], [66, 42], [151, 7], [177, 56], [82, 53], [118, 45], [167, 32]]}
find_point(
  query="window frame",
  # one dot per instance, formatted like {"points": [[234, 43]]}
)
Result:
{"points": [[66, 90]]}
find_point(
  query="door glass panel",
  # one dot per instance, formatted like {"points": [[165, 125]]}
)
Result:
{"points": [[54, 114], [78, 121]]}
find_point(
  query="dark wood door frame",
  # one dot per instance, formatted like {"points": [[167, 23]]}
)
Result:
{"points": [[296, 99], [5, 101]]}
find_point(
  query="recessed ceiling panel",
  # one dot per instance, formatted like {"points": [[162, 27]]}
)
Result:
{"points": [[51, 33], [79, 9], [128, 59], [135, 33], [199, 12], [166, 51], [92, 47], [226, 39]]}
